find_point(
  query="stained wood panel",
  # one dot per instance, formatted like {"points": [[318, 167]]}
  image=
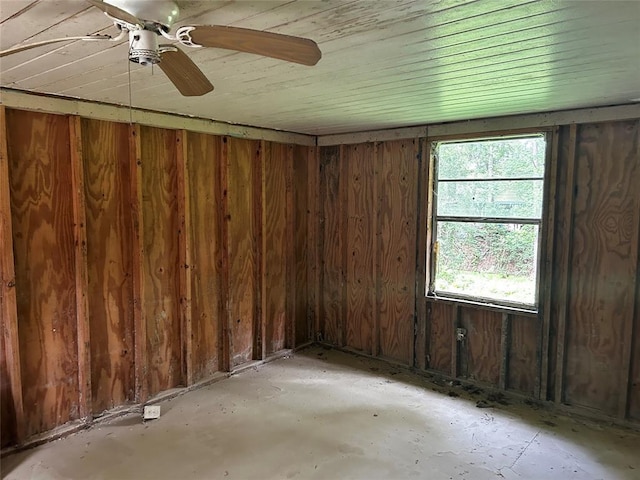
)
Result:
{"points": [[333, 244], [634, 380], [303, 163], [314, 234], [241, 160], [8, 433], [42, 217], [442, 330], [360, 321], [275, 231], [110, 298], [481, 349], [160, 262], [523, 354], [204, 163], [604, 261], [397, 174], [11, 408]]}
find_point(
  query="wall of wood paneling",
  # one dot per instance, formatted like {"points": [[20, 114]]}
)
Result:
{"points": [[171, 255], [138, 255], [204, 164], [43, 243], [603, 268], [109, 260], [582, 348], [368, 245]]}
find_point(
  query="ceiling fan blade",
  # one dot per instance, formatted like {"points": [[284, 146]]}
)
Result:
{"points": [[115, 12], [268, 44], [184, 74], [22, 48]]}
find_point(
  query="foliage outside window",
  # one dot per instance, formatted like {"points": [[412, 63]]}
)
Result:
{"points": [[487, 214]]}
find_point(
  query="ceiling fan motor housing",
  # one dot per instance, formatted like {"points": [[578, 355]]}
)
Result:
{"points": [[153, 13], [143, 47]]}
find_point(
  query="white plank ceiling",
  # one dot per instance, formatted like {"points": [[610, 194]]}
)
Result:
{"points": [[385, 63]]}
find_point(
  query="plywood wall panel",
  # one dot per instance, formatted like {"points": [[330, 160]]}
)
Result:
{"points": [[604, 260], [397, 189], [8, 433], [523, 354], [42, 216], [275, 231], [333, 243], [204, 162], [160, 262], [242, 158], [360, 321], [634, 381], [303, 163], [108, 217], [481, 349], [441, 332]]}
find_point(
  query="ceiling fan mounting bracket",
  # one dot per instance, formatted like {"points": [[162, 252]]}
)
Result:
{"points": [[157, 15]]}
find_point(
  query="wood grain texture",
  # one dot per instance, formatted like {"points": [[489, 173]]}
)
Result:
{"points": [[561, 255], [441, 318], [109, 260], [423, 257], [333, 244], [8, 433], [241, 159], [81, 274], [603, 261], [634, 374], [137, 266], [562, 269], [523, 352], [184, 255], [397, 191], [222, 259], [302, 164], [275, 237], [11, 407], [547, 252], [314, 236], [204, 162], [290, 257], [360, 244], [481, 349], [160, 262], [260, 242], [42, 218]]}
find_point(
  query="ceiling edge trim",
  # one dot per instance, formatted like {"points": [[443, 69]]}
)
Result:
{"points": [[121, 114], [488, 125]]}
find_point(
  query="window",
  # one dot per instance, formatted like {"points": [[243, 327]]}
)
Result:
{"points": [[487, 204]]}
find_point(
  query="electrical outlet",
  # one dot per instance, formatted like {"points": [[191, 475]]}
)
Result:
{"points": [[151, 412]]}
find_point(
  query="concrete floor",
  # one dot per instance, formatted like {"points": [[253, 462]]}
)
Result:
{"points": [[323, 414]]}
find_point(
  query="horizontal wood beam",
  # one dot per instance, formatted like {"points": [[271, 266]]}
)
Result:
{"points": [[500, 125], [122, 114]]}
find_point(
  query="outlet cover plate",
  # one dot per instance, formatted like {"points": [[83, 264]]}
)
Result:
{"points": [[151, 412]]}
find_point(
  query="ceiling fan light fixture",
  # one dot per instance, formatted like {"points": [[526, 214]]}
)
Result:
{"points": [[143, 47]]}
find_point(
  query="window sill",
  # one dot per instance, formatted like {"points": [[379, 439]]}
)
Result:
{"points": [[494, 307]]}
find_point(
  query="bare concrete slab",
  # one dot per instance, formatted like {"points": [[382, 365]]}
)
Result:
{"points": [[323, 414]]}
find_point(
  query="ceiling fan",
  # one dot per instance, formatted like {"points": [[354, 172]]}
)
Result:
{"points": [[145, 21]]}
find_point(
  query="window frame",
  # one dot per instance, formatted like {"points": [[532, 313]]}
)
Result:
{"points": [[431, 292]]}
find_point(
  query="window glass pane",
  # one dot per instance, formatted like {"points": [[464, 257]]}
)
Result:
{"points": [[491, 261], [502, 199], [506, 158]]}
